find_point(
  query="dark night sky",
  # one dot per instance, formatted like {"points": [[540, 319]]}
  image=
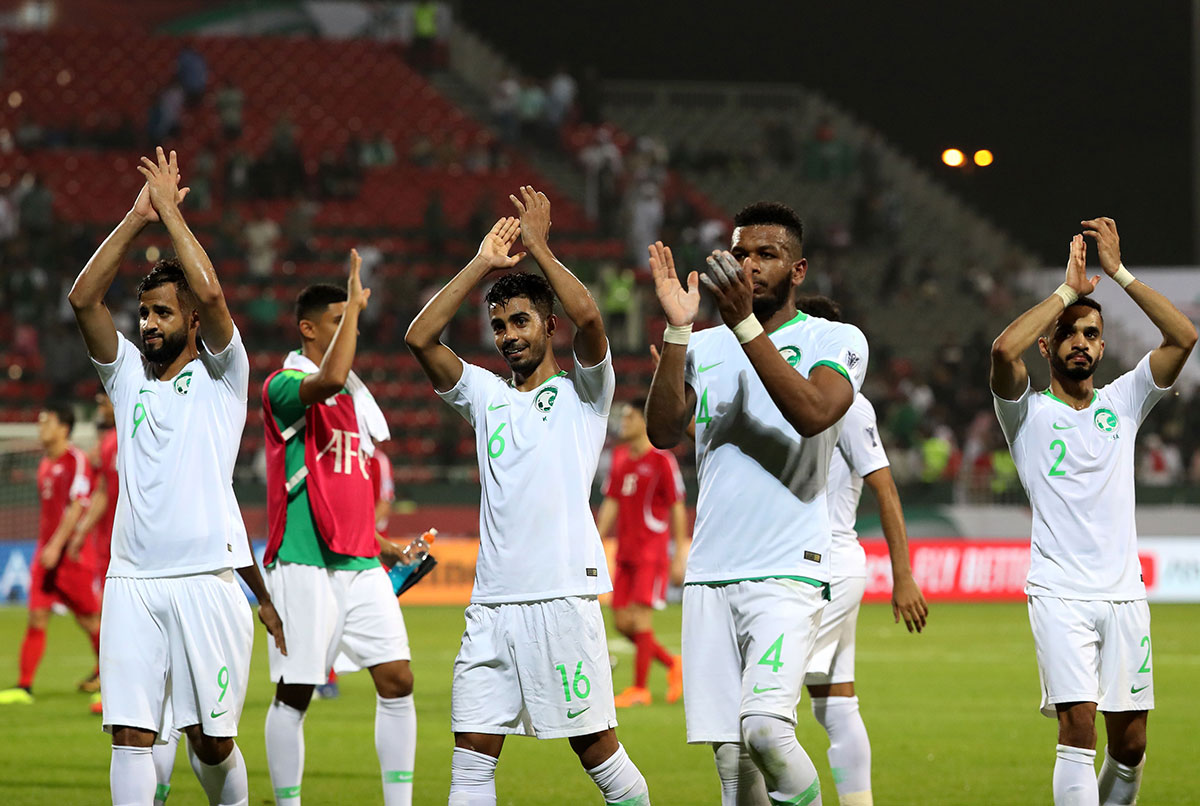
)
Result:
{"points": [[1086, 106]]}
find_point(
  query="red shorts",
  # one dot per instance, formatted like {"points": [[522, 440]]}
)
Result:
{"points": [[640, 583], [71, 583]]}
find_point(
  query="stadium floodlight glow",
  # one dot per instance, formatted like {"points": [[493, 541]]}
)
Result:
{"points": [[953, 157], [984, 158], [152, 254], [15, 99], [64, 78]]}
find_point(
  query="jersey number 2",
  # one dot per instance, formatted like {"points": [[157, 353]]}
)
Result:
{"points": [[1062, 453]]}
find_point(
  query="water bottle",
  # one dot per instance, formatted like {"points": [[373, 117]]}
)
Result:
{"points": [[416, 551]]}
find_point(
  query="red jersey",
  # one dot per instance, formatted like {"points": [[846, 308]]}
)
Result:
{"points": [[60, 482], [645, 488], [107, 468], [382, 484]]}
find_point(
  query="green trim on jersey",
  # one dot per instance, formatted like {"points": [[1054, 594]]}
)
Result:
{"points": [[1053, 396], [832, 365], [799, 317], [301, 543], [826, 594], [559, 374]]}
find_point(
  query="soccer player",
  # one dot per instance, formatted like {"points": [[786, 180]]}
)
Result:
{"points": [[534, 659], [859, 458], [643, 499], [176, 631], [64, 567], [1073, 446], [767, 390], [322, 557]]}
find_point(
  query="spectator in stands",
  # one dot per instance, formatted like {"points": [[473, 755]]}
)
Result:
{"points": [[561, 90], [282, 166], [504, 103], [229, 109], [531, 112], [826, 156], [426, 27], [602, 169], [591, 97], [261, 237], [478, 159], [29, 135], [435, 225], [645, 221], [1161, 464], [9, 220], [238, 167], [166, 113], [35, 211], [421, 153], [201, 180], [191, 70], [377, 152], [779, 142]]}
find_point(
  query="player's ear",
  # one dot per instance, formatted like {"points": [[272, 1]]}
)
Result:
{"points": [[551, 324], [1043, 347], [307, 329], [799, 270]]}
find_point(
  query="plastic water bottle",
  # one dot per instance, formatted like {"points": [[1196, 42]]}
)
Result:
{"points": [[416, 551]]}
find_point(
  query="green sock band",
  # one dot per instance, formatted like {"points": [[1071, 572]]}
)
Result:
{"points": [[397, 776], [804, 798], [287, 792], [161, 792]]}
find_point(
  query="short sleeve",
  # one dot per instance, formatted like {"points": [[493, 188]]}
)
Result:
{"points": [[596, 384], [844, 349], [464, 397], [690, 376], [81, 481], [859, 441], [124, 371], [386, 484], [1135, 392], [231, 366], [283, 392], [1012, 413]]}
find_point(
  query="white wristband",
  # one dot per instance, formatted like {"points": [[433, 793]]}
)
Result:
{"points": [[747, 329], [1067, 294], [677, 334], [1123, 277]]}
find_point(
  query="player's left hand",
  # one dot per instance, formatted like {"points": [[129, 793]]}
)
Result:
{"points": [[907, 602], [678, 568], [731, 286], [493, 249], [49, 556], [270, 619], [355, 293], [534, 209], [162, 182], [1108, 243]]}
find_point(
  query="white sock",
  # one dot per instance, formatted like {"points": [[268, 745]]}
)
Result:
{"points": [[620, 781], [849, 748], [131, 776], [1119, 784], [1075, 777], [396, 745], [789, 772], [742, 782], [472, 778], [164, 766], [225, 784], [285, 751]]}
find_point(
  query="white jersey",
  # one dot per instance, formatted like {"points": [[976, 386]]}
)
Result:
{"points": [[859, 453], [761, 510], [1077, 469], [537, 452], [177, 441]]}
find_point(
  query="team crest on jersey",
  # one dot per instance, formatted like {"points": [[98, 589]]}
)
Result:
{"points": [[1106, 420], [790, 354], [183, 383], [545, 399]]}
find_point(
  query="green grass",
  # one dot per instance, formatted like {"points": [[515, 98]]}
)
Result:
{"points": [[952, 716]]}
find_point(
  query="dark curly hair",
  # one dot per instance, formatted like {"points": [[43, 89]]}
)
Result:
{"points": [[169, 271], [766, 213], [522, 284]]}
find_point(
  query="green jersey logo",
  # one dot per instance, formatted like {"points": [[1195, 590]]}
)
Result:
{"points": [[790, 354], [545, 399], [1106, 420], [183, 382]]}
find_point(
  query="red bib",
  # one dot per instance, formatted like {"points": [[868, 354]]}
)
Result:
{"points": [[335, 474]]}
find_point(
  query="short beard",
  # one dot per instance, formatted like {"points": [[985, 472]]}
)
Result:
{"points": [[767, 306], [1061, 367], [529, 365], [172, 345]]}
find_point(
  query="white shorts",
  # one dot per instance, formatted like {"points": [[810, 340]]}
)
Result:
{"points": [[833, 656], [746, 646], [533, 669], [1093, 651], [329, 614], [175, 652]]}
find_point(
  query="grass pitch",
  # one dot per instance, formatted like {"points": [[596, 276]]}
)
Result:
{"points": [[952, 716]]}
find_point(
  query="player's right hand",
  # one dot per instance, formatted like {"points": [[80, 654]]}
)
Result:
{"points": [[49, 556], [145, 210], [680, 305], [162, 183], [270, 619], [356, 295], [1077, 277], [494, 248]]}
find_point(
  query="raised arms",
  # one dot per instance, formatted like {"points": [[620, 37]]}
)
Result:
{"points": [[329, 379], [591, 345], [670, 402], [423, 338]]}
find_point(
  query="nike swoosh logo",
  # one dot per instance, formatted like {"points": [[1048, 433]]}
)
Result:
{"points": [[493, 408], [1133, 690], [1058, 427], [571, 715], [710, 366], [213, 714], [758, 690], [147, 392]]}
